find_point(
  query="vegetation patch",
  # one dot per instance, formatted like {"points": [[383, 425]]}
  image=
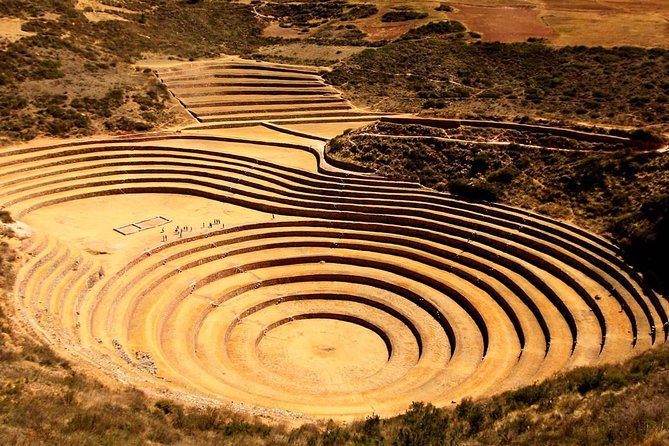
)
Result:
{"points": [[342, 35], [403, 15], [435, 29], [455, 78], [444, 7], [315, 13]]}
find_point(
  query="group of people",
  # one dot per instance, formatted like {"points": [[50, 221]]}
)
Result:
{"points": [[180, 230], [216, 222]]}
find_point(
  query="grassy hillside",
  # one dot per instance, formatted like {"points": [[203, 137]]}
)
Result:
{"points": [[74, 76], [442, 77]]}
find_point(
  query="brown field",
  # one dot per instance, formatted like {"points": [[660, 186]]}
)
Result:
{"points": [[570, 22], [504, 23], [293, 287]]}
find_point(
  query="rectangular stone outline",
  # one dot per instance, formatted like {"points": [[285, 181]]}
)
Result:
{"points": [[142, 225]]}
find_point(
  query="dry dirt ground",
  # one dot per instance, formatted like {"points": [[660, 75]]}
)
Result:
{"points": [[10, 30], [288, 287]]}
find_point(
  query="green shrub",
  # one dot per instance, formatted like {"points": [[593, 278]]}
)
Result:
{"points": [[163, 434], [586, 379], [61, 121], [422, 425], [480, 164], [402, 16], [444, 7], [477, 190], [46, 69], [472, 413], [6, 217], [650, 138], [359, 11], [369, 433], [434, 103], [504, 175], [104, 420], [435, 28], [334, 435], [126, 124], [168, 407], [529, 395]]}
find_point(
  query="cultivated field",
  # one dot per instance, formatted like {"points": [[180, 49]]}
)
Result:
{"points": [[256, 274]]}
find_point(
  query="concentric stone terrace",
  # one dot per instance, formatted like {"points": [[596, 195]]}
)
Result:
{"points": [[320, 291], [234, 92]]}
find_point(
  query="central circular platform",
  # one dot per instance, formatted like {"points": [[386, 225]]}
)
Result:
{"points": [[323, 351]]}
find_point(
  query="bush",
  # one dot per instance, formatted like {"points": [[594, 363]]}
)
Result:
{"points": [[168, 407], [402, 16], [434, 103], [102, 107], [647, 137], [586, 379], [472, 413], [63, 120], [46, 69], [369, 432], [360, 11], [504, 175], [125, 124], [477, 190], [444, 7], [435, 28], [528, 396], [104, 420], [480, 164], [6, 217], [335, 435], [422, 425]]}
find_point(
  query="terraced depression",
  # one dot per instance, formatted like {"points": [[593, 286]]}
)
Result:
{"points": [[266, 279]]}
